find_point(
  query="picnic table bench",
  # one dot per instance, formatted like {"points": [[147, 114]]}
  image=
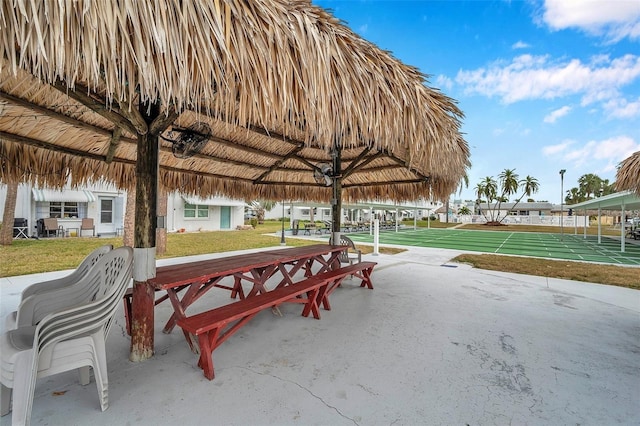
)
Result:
{"points": [[213, 327], [317, 228]]}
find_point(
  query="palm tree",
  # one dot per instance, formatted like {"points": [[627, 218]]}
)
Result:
{"points": [[261, 207], [573, 196], [508, 181], [465, 181], [487, 188], [529, 186], [607, 188], [6, 233], [589, 184], [479, 193], [509, 185]]}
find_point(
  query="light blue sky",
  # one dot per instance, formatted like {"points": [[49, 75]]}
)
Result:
{"points": [[544, 84]]}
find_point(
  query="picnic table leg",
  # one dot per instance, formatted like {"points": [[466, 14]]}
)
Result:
{"points": [[331, 286], [179, 307], [366, 278], [206, 341], [287, 276], [237, 288], [259, 278], [313, 297]]}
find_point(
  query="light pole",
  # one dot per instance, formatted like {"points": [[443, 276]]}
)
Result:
{"points": [[561, 203], [599, 216], [282, 242]]}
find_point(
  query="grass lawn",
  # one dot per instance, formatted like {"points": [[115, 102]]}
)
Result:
{"points": [[33, 256], [578, 271]]}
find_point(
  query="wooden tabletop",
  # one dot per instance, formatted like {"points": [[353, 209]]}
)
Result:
{"points": [[190, 272]]}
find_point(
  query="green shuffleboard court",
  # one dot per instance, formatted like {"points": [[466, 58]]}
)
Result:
{"points": [[552, 246]]}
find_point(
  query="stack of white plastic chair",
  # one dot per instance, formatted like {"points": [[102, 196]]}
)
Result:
{"points": [[72, 326], [40, 289]]}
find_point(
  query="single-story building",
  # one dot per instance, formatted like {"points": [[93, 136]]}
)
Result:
{"points": [[106, 206]]}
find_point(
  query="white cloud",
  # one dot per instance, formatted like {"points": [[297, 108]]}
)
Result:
{"points": [[614, 20], [621, 108], [529, 77], [362, 29], [617, 148], [554, 115], [604, 154], [442, 81], [552, 150], [520, 45]]}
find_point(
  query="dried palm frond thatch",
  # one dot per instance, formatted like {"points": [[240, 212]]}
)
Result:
{"points": [[628, 176], [281, 84]]}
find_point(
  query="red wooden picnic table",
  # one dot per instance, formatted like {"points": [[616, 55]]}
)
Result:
{"points": [[196, 278]]}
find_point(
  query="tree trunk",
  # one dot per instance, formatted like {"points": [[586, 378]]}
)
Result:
{"points": [[142, 325], [129, 217], [6, 233], [161, 233]]}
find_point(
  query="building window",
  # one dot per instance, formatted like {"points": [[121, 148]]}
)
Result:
{"points": [[63, 210], [196, 211], [106, 211]]}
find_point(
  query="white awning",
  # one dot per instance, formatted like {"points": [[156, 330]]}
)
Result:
{"points": [[214, 201], [66, 196]]}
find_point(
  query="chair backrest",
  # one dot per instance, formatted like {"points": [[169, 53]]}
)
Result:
{"points": [[50, 224], [90, 287], [87, 223], [105, 285], [75, 276], [344, 241]]}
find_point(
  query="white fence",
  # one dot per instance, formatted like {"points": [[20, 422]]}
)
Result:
{"points": [[568, 222]]}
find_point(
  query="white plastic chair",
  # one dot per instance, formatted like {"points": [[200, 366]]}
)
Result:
{"points": [[71, 335], [41, 288], [352, 254]]}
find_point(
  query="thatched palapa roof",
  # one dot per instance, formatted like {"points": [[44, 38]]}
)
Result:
{"points": [[628, 176], [280, 84]]}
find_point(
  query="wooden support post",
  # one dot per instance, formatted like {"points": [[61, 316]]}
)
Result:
{"points": [[142, 321], [336, 198]]}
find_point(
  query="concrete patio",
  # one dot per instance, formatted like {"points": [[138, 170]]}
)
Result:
{"points": [[433, 343]]}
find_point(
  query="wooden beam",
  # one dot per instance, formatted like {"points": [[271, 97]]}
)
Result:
{"points": [[56, 115], [354, 165], [83, 154], [51, 147], [248, 149], [99, 108], [421, 180], [343, 185], [130, 114], [404, 164], [113, 144], [154, 128], [277, 164], [163, 121]]}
